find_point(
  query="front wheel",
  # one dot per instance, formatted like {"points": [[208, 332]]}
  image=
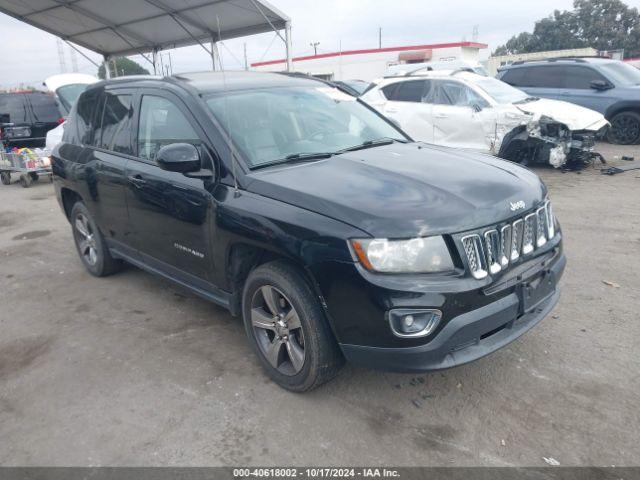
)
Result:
{"points": [[5, 177], [624, 129], [287, 328]]}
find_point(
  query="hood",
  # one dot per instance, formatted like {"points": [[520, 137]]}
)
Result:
{"points": [[575, 117], [404, 190], [54, 82]]}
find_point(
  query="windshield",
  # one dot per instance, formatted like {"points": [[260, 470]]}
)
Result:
{"points": [[621, 73], [272, 124], [501, 92], [69, 94]]}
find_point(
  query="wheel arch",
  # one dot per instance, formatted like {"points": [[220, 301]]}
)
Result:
{"points": [[619, 107], [69, 199], [243, 257]]}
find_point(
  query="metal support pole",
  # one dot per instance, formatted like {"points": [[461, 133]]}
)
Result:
{"points": [[214, 53], [287, 41], [107, 72], [155, 62]]}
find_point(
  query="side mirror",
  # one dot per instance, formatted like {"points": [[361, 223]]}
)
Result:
{"points": [[179, 157], [600, 85], [476, 107]]}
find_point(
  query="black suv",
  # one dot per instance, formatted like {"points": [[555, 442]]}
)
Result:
{"points": [[301, 209], [26, 117], [607, 86]]}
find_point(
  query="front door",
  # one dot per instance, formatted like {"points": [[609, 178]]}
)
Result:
{"points": [[169, 213], [461, 118]]}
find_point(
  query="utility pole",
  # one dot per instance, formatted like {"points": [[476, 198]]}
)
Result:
{"points": [[246, 64], [170, 63], [315, 47], [379, 37]]}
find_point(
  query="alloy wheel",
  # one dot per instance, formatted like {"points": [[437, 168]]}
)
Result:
{"points": [[277, 330], [86, 240], [625, 129]]}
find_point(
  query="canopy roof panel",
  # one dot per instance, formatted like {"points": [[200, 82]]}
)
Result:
{"points": [[127, 27]]}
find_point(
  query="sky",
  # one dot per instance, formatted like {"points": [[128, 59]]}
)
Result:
{"points": [[29, 55]]}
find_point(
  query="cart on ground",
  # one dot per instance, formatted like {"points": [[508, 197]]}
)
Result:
{"points": [[30, 164]]}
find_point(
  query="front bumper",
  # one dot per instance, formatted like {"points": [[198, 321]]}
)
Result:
{"points": [[468, 336]]}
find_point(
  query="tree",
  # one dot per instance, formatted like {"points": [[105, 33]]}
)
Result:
{"points": [[601, 24], [125, 67]]}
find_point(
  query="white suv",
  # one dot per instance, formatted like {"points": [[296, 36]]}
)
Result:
{"points": [[464, 110]]}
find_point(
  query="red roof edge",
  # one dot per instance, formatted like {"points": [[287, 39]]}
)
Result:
{"points": [[374, 50]]}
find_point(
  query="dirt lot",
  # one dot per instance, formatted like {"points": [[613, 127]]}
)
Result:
{"points": [[131, 370]]}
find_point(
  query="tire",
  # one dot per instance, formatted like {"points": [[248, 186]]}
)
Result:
{"points": [[90, 243], [624, 129], [26, 181], [306, 328], [5, 177]]}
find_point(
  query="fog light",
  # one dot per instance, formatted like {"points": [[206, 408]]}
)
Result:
{"points": [[413, 323]]}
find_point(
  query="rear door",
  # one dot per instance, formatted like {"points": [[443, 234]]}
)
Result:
{"points": [[546, 81], [112, 144], [169, 212], [461, 117], [405, 105]]}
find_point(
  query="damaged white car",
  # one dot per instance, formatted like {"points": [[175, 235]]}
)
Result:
{"points": [[461, 109]]}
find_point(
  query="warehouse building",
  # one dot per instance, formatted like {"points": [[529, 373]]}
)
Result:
{"points": [[370, 64]]}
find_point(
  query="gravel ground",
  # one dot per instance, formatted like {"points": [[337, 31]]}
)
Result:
{"points": [[131, 370]]}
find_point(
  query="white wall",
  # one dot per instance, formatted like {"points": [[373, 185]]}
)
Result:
{"points": [[365, 66]]}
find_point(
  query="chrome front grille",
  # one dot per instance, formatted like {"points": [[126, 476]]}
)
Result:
{"points": [[494, 249]]}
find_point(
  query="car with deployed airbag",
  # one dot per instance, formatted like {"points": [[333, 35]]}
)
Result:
{"points": [[302, 210]]}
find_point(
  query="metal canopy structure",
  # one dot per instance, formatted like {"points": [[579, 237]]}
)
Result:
{"points": [[115, 28]]}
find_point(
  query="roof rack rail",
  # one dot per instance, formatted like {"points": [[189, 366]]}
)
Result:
{"points": [[556, 59]]}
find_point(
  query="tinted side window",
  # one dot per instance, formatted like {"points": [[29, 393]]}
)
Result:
{"points": [[390, 90], [44, 107], [547, 76], [410, 91], [114, 131], [515, 77], [84, 118], [13, 108], [162, 123], [581, 77]]}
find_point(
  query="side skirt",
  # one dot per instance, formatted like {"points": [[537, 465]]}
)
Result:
{"points": [[199, 287]]}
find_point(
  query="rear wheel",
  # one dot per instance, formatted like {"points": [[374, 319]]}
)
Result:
{"points": [[5, 177], [624, 129], [287, 329], [90, 243]]}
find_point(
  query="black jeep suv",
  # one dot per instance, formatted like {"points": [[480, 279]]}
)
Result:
{"points": [[304, 211], [26, 117]]}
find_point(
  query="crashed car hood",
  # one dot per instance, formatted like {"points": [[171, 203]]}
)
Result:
{"points": [[401, 191], [575, 117]]}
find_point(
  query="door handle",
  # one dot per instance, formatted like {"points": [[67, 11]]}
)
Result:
{"points": [[441, 115], [391, 110], [137, 180]]}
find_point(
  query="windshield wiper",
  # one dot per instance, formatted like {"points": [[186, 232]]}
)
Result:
{"points": [[527, 100], [380, 142], [295, 157]]}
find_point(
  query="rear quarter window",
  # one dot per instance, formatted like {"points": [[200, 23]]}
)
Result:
{"points": [[85, 115], [43, 107], [13, 108]]}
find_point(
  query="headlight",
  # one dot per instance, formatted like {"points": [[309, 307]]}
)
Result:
{"points": [[417, 255]]}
